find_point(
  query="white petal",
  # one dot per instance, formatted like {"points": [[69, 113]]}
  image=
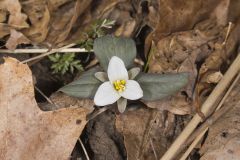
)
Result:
{"points": [[117, 70], [106, 95], [133, 90]]}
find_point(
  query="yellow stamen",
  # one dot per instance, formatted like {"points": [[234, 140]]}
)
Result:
{"points": [[119, 85]]}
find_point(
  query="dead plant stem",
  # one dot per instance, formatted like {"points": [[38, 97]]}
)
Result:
{"points": [[206, 107], [41, 50], [84, 149], [200, 132], [153, 148], [48, 53], [39, 91]]}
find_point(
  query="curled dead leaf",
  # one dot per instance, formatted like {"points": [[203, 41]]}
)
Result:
{"points": [[214, 77], [17, 19], [62, 25], [176, 105], [39, 16], [15, 39]]}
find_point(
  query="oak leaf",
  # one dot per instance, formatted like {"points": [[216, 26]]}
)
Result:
{"points": [[26, 132]]}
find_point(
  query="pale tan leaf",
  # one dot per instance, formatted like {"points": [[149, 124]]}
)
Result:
{"points": [[63, 21], [15, 39], [176, 105], [215, 77], [17, 19], [4, 30], [3, 15], [40, 21], [26, 132]]}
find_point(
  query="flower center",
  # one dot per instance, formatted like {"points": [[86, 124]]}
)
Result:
{"points": [[119, 85]]}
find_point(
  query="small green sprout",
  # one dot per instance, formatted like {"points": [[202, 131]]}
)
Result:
{"points": [[65, 62], [97, 30]]}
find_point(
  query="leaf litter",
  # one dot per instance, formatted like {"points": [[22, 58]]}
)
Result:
{"points": [[184, 43]]}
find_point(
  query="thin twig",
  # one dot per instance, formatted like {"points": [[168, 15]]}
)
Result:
{"points": [[228, 32], [206, 107], [49, 100], [203, 129], [214, 116], [92, 63], [195, 142], [139, 61], [200, 132], [154, 151], [48, 53], [84, 149], [38, 50], [97, 112], [146, 135], [149, 56]]}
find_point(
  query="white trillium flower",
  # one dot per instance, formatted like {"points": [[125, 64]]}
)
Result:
{"points": [[118, 86]]}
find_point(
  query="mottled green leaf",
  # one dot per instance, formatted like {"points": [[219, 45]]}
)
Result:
{"points": [[157, 86], [84, 87], [108, 46]]}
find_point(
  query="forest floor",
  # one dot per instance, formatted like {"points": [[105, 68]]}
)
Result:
{"points": [[45, 45]]}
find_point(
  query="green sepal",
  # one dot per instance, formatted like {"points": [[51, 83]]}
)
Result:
{"points": [[132, 73], [158, 86], [84, 87], [122, 104], [108, 46], [101, 76]]}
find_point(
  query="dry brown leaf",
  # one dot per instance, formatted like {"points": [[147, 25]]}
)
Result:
{"points": [[126, 29], [218, 60], [63, 22], [230, 149], [221, 12], [121, 11], [215, 77], [174, 16], [223, 137], [212, 77], [122, 14], [189, 66], [15, 39], [140, 128], [17, 19], [51, 25], [185, 52], [62, 101], [173, 50], [40, 18], [26, 132], [103, 139], [4, 30], [3, 15], [177, 53], [176, 105]]}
